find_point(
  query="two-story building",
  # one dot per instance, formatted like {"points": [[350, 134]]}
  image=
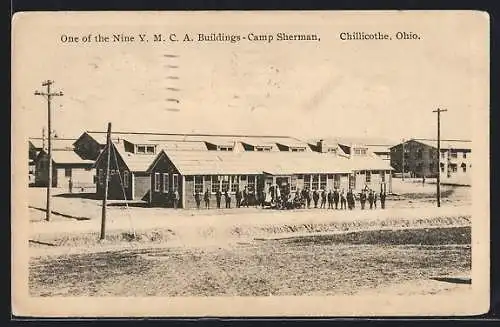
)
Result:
{"points": [[420, 158]]}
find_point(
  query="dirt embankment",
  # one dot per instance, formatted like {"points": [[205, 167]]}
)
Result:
{"points": [[198, 234]]}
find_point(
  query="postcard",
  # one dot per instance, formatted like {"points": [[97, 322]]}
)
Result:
{"points": [[250, 163]]}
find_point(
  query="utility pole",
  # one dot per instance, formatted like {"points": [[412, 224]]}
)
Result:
{"points": [[438, 184], [106, 182], [48, 95]]}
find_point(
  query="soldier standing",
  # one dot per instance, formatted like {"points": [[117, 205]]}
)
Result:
{"points": [[315, 198], [218, 196], [323, 199], [227, 197], [343, 200], [349, 199], [330, 199], [362, 199], [207, 199], [245, 196], [382, 200], [238, 198], [336, 197], [370, 199], [308, 198], [375, 199], [70, 184], [176, 199], [197, 198]]}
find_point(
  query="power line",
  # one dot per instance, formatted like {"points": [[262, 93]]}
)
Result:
{"points": [[48, 95]]}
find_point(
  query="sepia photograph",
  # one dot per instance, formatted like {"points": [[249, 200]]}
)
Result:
{"points": [[227, 163]]}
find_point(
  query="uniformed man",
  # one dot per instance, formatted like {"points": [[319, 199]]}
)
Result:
{"points": [[176, 199], [206, 197], [375, 199], [336, 197], [238, 198], [349, 199], [315, 198], [218, 196], [343, 200], [197, 198], [245, 197], [330, 199], [362, 199], [70, 184], [370, 198], [227, 197], [382, 200], [308, 198], [323, 199]]}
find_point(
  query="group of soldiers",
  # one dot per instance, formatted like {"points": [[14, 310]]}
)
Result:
{"points": [[242, 198], [303, 198], [333, 198]]}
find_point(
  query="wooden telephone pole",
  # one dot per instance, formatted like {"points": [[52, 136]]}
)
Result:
{"points": [[438, 184], [106, 183], [48, 95]]}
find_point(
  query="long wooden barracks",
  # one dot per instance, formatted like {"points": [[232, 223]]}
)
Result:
{"points": [[156, 167]]}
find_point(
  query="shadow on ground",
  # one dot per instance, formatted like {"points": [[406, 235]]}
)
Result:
{"points": [[60, 214], [454, 280]]}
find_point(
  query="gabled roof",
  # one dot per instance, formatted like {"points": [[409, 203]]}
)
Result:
{"points": [[57, 143], [66, 157], [445, 144], [275, 163]]}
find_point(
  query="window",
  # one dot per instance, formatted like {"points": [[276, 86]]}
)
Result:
{"points": [[332, 150], [157, 182], [215, 183], [297, 149], [368, 177], [146, 149], [307, 182], [431, 166], [67, 172], [441, 165], [465, 155], [382, 176], [336, 181], [234, 183], [464, 167], [322, 182], [453, 154], [419, 167], [352, 181], [225, 183], [443, 155], [165, 182], [99, 176], [125, 179], [315, 182], [251, 183], [225, 148], [198, 184], [263, 148], [293, 183], [419, 154], [175, 182], [453, 168], [360, 151]]}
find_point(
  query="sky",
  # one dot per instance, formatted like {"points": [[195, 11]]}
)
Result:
{"points": [[303, 89]]}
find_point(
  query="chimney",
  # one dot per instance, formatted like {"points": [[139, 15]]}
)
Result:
{"points": [[321, 146]]}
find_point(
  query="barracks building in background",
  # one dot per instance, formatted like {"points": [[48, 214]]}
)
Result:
{"points": [[160, 167]]}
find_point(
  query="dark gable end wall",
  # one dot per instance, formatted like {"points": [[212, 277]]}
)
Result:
{"points": [[160, 198]]}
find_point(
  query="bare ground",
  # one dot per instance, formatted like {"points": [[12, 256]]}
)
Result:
{"points": [[328, 265]]}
